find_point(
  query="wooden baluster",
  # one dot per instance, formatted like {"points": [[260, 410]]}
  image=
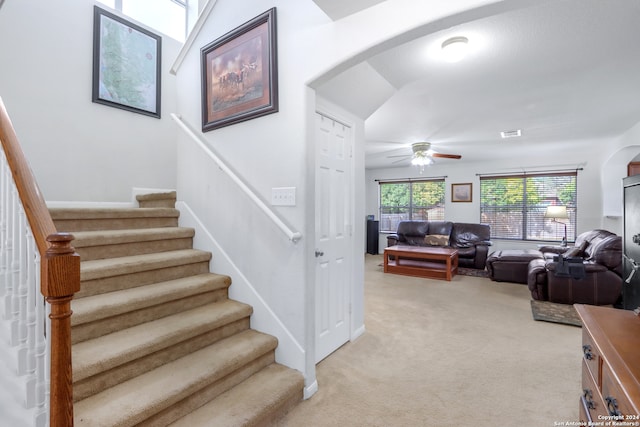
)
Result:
{"points": [[61, 268]]}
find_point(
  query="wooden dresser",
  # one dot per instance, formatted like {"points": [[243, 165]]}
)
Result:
{"points": [[610, 365]]}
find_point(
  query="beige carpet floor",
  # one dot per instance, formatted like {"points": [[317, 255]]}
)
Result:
{"points": [[437, 353]]}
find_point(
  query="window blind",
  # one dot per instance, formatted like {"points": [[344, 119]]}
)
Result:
{"points": [[410, 200], [514, 205]]}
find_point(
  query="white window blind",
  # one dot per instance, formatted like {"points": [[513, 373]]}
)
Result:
{"points": [[514, 205], [410, 200]]}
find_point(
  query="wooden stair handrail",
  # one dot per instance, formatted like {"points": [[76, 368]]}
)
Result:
{"points": [[60, 273]]}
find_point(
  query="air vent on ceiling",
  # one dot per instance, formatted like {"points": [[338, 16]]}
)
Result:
{"points": [[511, 133]]}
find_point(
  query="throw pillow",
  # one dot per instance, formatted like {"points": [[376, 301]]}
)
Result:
{"points": [[436, 240]]}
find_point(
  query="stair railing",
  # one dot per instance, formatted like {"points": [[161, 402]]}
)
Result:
{"points": [[36, 264], [294, 236]]}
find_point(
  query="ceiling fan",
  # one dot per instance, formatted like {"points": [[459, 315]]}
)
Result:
{"points": [[423, 155]]}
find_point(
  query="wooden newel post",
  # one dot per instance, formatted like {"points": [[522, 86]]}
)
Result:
{"points": [[60, 280]]}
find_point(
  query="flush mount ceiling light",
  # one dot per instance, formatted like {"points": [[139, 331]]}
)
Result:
{"points": [[455, 48], [511, 133]]}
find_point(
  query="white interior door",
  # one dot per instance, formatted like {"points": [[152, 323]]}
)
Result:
{"points": [[332, 234]]}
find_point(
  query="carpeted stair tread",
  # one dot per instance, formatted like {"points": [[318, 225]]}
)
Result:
{"points": [[114, 237], [105, 352], [97, 307], [164, 199], [265, 395], [110, 213], [86, 219], [172, 194], [91, 245], [95, 269], [135, 400]]}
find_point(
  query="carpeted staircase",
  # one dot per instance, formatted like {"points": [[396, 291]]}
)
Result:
{"points": [[156, 341]]}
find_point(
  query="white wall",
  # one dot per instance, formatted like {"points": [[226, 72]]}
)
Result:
{"points": [[78, 150], [565, 156]]}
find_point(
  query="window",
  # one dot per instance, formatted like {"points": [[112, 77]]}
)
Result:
{"points": [[166, 16], [514, 205], [406, 200]]}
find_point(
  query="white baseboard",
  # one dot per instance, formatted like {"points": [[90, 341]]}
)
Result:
{"points": [[357, 333], [310, 390]]}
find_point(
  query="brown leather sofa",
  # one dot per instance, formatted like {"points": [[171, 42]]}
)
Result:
{"points": [[471, 240], [593, 277]]}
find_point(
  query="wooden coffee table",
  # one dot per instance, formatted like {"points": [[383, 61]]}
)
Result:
{"points": [[434, 262]]}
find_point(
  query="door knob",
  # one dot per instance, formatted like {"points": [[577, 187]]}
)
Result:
{"points": [[319, 253]]}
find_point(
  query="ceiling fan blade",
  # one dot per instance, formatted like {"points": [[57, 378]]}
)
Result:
{"points": [[446, 156], [400, 161], [401, 155]]}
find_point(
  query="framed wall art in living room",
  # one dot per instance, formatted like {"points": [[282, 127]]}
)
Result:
{"points": [[461, 192], [240, 74], [126, 64]]}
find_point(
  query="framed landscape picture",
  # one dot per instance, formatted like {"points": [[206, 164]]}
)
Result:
{"points": [[126, 64], [240, 74], [461, 192]]}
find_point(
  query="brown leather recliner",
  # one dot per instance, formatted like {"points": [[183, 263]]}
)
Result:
{"points": [[597, 281]]}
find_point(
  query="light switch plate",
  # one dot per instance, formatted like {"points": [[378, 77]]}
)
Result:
{"points": [[283, 196]]}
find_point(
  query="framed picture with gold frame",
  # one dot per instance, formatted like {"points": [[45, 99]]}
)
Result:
{"points": [[462, 192]]}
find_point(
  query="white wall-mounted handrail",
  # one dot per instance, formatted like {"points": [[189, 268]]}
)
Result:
{"points": [[294, 236]]}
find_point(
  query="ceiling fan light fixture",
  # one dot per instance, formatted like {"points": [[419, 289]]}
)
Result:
{"points": [[421, 155], [421, 160], [455, 49], [421, 147]]}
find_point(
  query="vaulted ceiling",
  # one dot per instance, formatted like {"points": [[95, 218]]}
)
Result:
{"points": [[560, 71]]}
